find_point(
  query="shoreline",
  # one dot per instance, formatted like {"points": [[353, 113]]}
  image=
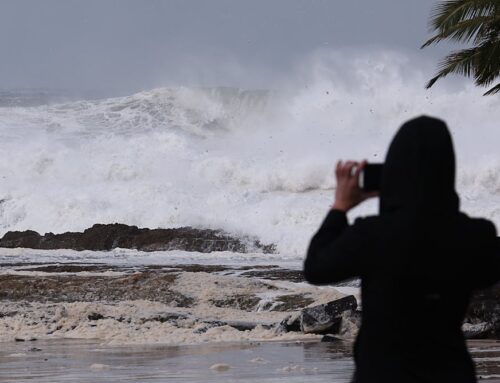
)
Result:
{"points": [[131, 311]]}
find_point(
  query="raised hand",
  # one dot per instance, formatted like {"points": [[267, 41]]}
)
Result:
{"points": [[348, 194]]}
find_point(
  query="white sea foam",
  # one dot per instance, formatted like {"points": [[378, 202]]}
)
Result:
{"points": [[129, 322], [249, 162]]}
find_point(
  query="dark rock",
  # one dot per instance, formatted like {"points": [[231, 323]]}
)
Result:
{"points": [[166, 317], [483, 315], [290, 324], [278, 274], [95, 316], [330, 338], [477, 331], [292, 302], [326, 318], [110, 236], [150, 285], [28, 238], [321, 319], [240, 302]]}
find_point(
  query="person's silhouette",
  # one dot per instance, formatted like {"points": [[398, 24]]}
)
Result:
{"points": [[419, 260]]}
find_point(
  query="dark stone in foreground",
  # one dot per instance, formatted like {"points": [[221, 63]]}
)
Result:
{"points": [[107, 237], [321, 319], [483, 315], [331, 339], [327, 317]]}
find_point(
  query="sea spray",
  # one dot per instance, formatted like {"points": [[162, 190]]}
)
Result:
{"points": [[250, 162]]}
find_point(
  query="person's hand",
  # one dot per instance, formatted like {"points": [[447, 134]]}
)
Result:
{"points": [[348, 193]]}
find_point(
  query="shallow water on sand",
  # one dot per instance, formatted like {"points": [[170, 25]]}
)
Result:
{"points": [[86, 361], [71, 360]]}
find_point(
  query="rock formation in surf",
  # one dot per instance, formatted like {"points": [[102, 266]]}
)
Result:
{"points": [[110, 236]]}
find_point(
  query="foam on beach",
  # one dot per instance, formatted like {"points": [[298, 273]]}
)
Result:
{"points": [[220, 308]]}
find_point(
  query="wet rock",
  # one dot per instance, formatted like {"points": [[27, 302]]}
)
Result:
{"points": [[477, 331], [326, 318], [278, 274], [290, 324], [292, 302], [330, 339], [240, 302], [110, 236], [150, 285], [483, 315], [166, 317], [321, 319], [28, 238]]}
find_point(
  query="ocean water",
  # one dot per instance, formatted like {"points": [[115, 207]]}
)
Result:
{"points": [[251, 162]]}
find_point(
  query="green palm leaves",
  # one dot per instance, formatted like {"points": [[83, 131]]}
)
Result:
{"points": [[476, 21]]}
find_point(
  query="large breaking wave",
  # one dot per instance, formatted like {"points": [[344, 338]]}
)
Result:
{"points": [[255, 162]]}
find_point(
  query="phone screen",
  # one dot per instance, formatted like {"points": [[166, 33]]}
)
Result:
{"points": [[371, 177]]}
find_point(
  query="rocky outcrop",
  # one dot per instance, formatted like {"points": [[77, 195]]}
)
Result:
{"points": [[107, 237], [483, 316]]}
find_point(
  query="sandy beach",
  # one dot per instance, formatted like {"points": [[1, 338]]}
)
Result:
{"points": [[161, 319]]}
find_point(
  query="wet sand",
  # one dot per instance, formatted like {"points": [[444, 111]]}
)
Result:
{"points": [[70, 360], [87, 361]]}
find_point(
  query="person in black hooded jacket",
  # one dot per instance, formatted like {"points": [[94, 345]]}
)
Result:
{"points": [[419, 260]]}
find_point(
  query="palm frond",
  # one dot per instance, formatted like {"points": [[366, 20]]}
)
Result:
{"points": [[449, 13], [487, 65], [465, 21], [463, 31], [493, 90], [459, 62]]}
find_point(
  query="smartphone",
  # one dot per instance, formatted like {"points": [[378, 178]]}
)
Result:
{"points": [[371, 177]]}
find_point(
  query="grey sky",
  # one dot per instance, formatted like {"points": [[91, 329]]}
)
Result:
{"points": [[126, 45]]}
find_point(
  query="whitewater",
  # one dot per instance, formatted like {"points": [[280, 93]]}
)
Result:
{"points": [[250, 162]]}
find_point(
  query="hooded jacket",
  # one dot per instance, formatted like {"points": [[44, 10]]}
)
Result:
{"points": [[419, 261]]}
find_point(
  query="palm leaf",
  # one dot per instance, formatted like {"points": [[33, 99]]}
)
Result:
{"points": [[463, 31], [487, 66], [460, 62], [449, 13], [465, 21], [493, 90], [452, 16]]}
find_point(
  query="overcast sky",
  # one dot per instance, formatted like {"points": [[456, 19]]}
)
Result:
{"points": [[128, 45]]}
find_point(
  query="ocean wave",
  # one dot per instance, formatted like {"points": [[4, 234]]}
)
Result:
{"points": [[251, 162]]}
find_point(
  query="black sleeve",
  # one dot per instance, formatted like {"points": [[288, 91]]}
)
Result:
{"points": [[336, 251]]}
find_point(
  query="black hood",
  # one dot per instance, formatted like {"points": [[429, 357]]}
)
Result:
{"points": [[419, 170]]}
